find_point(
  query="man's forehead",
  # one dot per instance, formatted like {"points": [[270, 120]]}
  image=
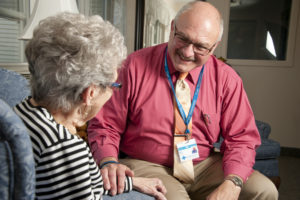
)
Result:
{"points": [[202, 33]]}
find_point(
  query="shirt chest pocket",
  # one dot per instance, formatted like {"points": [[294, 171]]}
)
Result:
{"points": [[211, 125]]}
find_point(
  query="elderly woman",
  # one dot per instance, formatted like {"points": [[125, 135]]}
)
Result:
{"points": [[73, 61]]}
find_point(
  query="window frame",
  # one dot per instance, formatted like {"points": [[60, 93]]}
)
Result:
{"points": [[221, 50], [83, 7], [131, 17], [21, 67]]}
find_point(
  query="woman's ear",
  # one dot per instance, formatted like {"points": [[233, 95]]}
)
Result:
{"points": [[88, 94]]}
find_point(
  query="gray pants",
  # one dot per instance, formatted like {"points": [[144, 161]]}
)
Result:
{"points": [[208, 176]]}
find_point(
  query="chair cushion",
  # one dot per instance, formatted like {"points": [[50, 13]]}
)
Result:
{"points": [[268, 167], [268, 149], [16, 151], [13, 87]]}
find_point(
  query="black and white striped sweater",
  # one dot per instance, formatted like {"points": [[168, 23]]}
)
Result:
{"points": [[65, 168]]}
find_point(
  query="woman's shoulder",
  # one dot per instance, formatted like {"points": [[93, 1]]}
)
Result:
{"points": [[41, 126]]}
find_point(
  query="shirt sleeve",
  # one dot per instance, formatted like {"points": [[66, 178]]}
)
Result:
{"points": [[105, 130], [66, 170], [241, 137]]}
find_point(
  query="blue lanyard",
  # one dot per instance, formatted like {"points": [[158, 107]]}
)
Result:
{"points": [[195, 97]]}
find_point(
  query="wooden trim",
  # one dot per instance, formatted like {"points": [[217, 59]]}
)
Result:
{"points": [[290, 151], [139, 24]]}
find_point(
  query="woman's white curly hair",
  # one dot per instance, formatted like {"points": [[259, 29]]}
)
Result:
{"points": [[68, 53]]}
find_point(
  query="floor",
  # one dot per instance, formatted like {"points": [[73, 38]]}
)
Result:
{"points": [[289, 171]]}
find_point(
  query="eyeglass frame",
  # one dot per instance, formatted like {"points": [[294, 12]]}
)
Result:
{"points": [[186, 42], [114, 85]]}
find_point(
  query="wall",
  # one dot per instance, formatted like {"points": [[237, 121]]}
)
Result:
{"points": [[130, 25], [274, 93]]}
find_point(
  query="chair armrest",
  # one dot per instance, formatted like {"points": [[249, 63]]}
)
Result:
{"points": [[263, 128]]}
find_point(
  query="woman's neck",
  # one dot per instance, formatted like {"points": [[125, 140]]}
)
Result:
{"points": [[70, 120]]}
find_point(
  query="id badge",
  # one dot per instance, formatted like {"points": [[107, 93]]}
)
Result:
{"points": [[187, 150]]}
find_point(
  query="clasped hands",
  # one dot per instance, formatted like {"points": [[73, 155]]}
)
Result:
{"points": [[113, 176]]}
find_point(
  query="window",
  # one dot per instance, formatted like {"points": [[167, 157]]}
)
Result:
{"points": [[120, 13], [258, 32], [12, 19], [258, 29], [13, 15]]}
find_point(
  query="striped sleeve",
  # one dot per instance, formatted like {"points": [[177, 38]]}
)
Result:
{"points": [[63, 173]]}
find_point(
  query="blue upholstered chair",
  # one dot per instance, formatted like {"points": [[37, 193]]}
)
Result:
{"points": [[266, 160], [17, 176], [267, 154], [13, 87]]}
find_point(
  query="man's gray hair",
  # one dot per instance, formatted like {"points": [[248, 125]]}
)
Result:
{"points": [[68, 53], [189, 6]]}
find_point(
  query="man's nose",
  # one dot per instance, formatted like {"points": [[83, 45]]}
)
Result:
{"points": [[188, 51]]}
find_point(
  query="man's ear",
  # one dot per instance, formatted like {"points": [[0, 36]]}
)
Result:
{"points": [[88, 94], [171, 30], [214, 48], [172, 25]]}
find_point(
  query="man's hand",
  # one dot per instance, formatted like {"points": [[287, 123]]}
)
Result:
{"points": [[151, 186], [113, 173], [226, 191]]}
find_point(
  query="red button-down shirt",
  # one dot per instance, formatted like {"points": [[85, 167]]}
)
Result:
{"points": [[139, 119]]}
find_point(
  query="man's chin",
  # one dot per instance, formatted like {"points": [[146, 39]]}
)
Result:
{"points": [[183, 65], [183, 68]]}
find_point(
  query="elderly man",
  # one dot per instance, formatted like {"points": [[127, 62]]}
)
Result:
{"points": [[177, 100]]}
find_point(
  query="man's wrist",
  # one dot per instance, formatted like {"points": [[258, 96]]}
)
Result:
{"points": [[107, 162], [237, 181], [107, 159]]}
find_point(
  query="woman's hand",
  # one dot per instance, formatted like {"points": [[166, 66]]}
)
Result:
{"points": [[150, 186]]}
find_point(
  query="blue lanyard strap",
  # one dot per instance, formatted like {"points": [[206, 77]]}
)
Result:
{"points": [[195, 97]]}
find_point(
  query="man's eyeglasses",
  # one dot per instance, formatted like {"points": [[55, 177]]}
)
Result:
{"points": [[198, 48]]}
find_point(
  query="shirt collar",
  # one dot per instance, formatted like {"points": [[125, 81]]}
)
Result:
{"points": [[192, 76]]}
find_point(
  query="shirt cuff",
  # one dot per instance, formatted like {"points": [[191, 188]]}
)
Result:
{"points": [[102, 151], [242, 171]]}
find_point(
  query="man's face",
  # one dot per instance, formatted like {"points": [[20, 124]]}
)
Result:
{"points": [[190, 45]]}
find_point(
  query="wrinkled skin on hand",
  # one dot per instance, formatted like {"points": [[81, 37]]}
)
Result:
{"points": [[226, 191], [151, 186], [116, 173]]}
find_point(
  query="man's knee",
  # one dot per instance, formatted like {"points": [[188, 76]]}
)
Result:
{"points": [[175, 190], [259, 186]]}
